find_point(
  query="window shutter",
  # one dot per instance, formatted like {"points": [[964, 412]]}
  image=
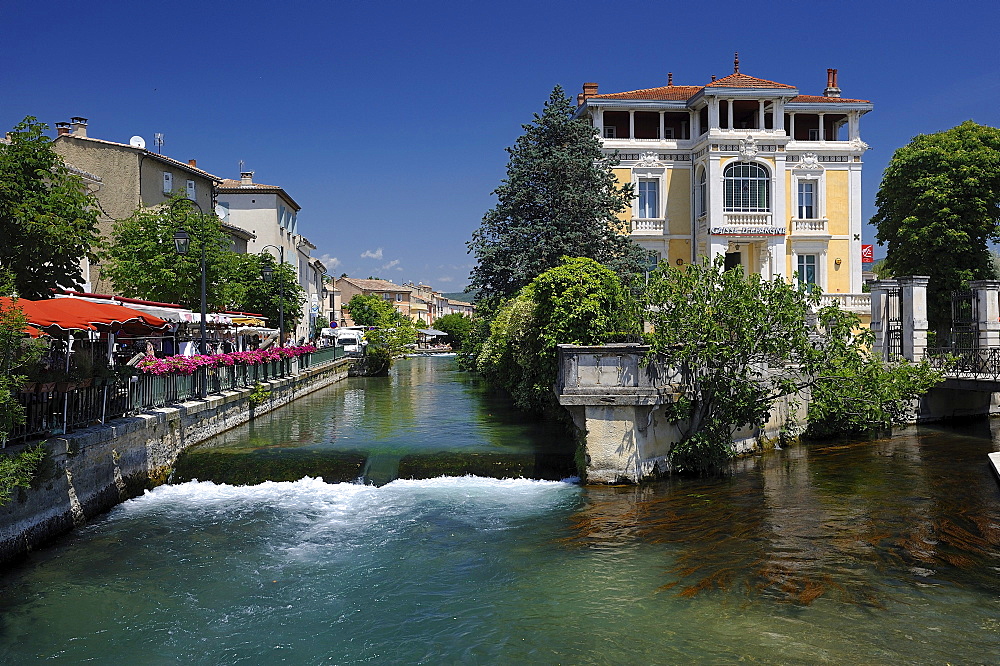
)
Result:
{"points": [[191, 194], [168, 182]]}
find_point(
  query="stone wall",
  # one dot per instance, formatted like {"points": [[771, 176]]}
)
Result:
{"points": [[618, 402], [90, 471]]}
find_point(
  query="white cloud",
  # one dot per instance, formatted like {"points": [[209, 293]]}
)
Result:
{"points": [[329, 262], [391, 264], [446, 279], [368, 254]]}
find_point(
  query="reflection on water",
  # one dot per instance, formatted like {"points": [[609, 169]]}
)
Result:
{"points": [[850, 519], [872, 552], [425, 419]]}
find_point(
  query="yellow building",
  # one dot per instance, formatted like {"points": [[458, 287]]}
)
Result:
{"points": [[746, 168]]}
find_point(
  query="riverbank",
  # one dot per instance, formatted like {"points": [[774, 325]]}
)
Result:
{"points": [[89, 471]]}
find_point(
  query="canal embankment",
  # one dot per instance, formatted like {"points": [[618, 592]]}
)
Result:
{"points": [[87, 472]]}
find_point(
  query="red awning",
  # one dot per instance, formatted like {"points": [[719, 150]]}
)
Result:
{"points": [[62, 314]]}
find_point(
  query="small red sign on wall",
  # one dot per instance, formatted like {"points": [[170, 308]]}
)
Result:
{"points": [[867, 254]]}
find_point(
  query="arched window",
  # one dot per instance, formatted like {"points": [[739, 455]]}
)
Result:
{"points": [[747, 187], [701, 193]]}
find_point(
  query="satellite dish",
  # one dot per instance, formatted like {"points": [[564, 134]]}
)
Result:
{"points": [[137, 142]]}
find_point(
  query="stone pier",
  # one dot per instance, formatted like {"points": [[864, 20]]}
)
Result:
{"points": [[617, 399]]}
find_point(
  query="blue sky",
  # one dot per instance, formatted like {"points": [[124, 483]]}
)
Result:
{"points": [[387, 121]]}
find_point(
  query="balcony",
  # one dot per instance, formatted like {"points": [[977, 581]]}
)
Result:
{"points": [[813, 226], [648, 227], [857, 303], [747, 219]]}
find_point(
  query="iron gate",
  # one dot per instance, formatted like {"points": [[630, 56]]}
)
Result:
{"points": [[893, 327], [964, 321]]}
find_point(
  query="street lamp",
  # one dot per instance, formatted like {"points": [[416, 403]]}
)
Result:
{"points": [[267, 273], [182, 243]]}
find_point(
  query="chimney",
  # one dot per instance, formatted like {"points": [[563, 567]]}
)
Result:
{"points": [[831, 84], [246, 178], [713, 77], [670, 78], [79, 126], [589, 90], [62, 129], [193, 163]]}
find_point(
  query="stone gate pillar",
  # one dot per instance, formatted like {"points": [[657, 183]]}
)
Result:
{"points": [[880, 293], [913, 306], [987, 298]]}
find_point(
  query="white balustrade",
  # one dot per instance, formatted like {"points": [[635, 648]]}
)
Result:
{"points": [[647, 227], [816, 226], [747, 219], [851, 302]]}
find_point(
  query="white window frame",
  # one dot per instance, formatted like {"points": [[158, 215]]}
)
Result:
{"points": [[800, 262], [168, 182], [701, 192], [654, 188], [668, 133], [191, 190], [815, 247], [819, 189], [814, 134], [609, 132], [768, 180]]}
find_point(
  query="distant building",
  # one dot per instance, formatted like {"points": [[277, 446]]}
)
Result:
{"points": [[271, 215], [124, 177], [398, 295], [743, 168]]}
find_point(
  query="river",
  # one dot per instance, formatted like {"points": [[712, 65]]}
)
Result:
{"points": [[884, 551]]}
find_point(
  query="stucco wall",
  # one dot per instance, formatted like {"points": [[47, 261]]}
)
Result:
{"points": [[89, 472]]}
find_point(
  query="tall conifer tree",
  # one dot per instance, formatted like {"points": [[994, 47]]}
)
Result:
{"points": [[559, 199]]}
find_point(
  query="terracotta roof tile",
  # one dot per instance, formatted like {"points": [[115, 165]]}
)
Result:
{"points": [[821, 98], [743, 81], [232, 186], [665, 93], [374, 285]]}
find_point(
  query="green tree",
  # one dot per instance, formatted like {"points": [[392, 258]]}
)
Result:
{"points": [[142, 260], [393, 330], [457, 326], [939, 208], [369, 309], [741, 343], [247, 292], [853, 391], [560, 198], [16, 353], [48, 219], [319, 324], [577, 302]]}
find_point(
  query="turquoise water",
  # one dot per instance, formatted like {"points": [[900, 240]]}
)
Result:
{"points": [[878, 552]]}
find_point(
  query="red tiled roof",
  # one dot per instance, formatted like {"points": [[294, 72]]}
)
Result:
{"points": [[738, 80], [820, 98], [374, 284], [231, 186], [238, 184], [662, 93]]}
